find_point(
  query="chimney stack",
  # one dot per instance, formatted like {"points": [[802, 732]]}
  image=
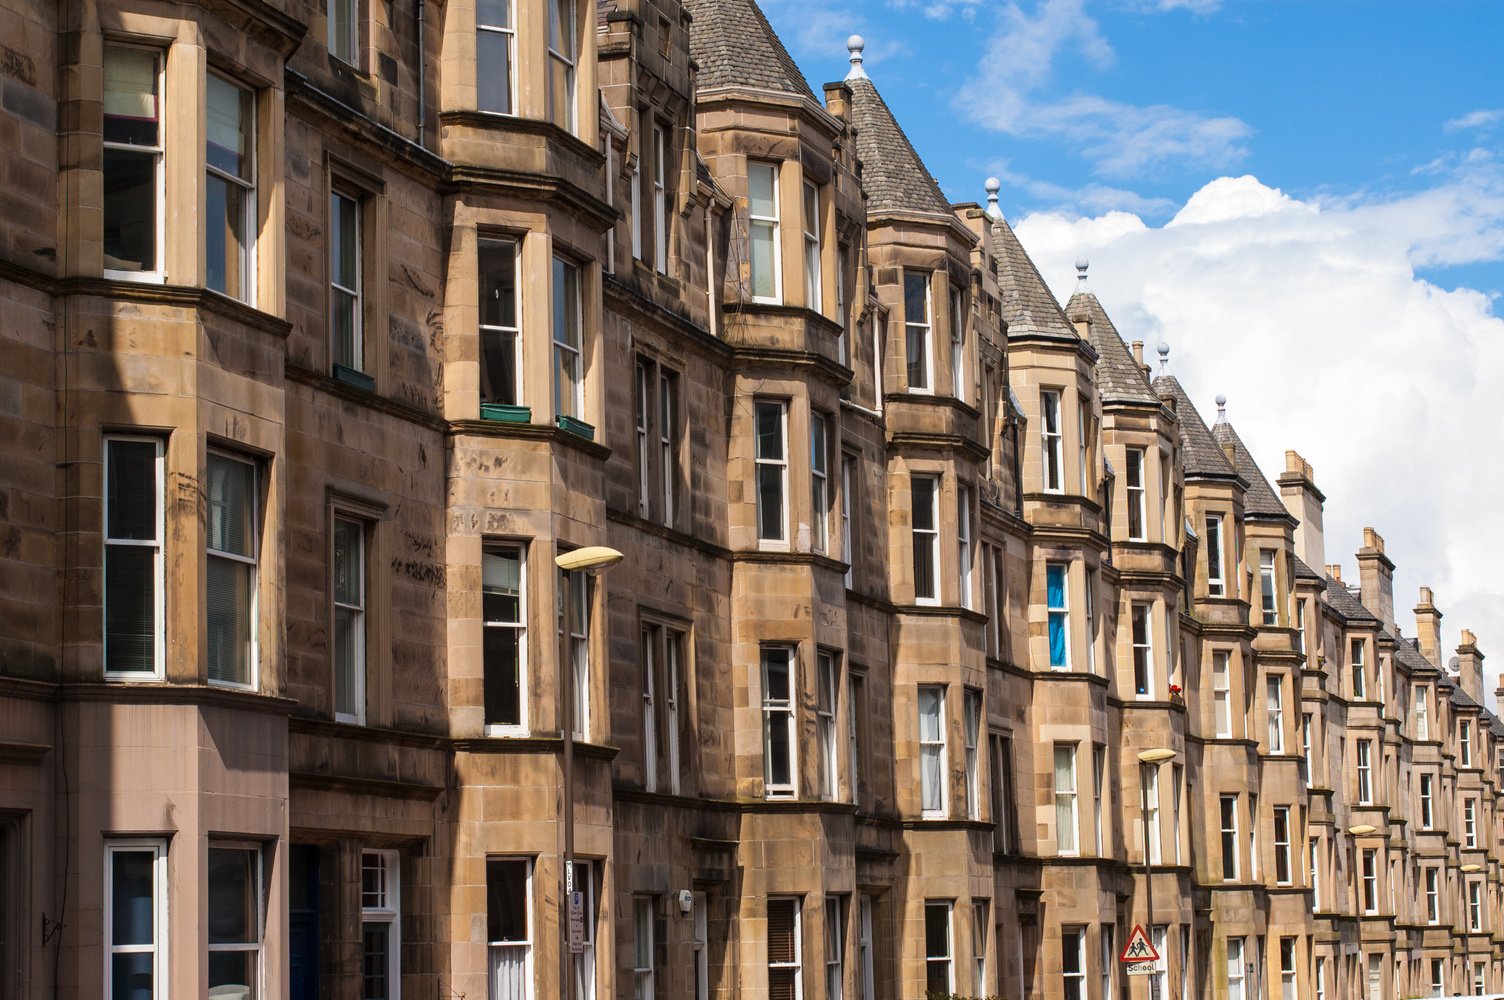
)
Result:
{"points": [[1334, 570], [1470, 666], [1376, 577], [1428, 627], [1297, 488], [1138, 353]]}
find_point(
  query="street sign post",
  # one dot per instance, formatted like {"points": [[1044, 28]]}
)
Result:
{"points": [[1141, 958], [576, 923]]}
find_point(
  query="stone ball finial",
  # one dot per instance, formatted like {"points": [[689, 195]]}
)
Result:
{"points": [[1081, 265], [1164, 357], [992, 186], [1221, 402], [855, 44]]}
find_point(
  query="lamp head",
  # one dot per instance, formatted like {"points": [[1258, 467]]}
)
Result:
{"points": [[591, 559], [1157, 756], [1362, 830]]}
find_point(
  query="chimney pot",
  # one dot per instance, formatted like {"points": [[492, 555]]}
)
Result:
{"points": [[1138, 352]]}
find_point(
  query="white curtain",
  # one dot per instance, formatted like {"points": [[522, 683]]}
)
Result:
{"points": [[509, 980]]}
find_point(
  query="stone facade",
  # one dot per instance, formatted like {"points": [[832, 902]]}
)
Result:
{"points": [[329, 325]]}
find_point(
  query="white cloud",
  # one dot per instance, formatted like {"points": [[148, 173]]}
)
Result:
{"points": [[1309, 315], [1010, 94], [940, 9], [1475, 119]]}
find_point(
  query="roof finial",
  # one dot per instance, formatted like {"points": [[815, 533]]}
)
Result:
{"points": [[1221, 409], [993, 186], [1081, 265], [855, 44], [1164, 358]]}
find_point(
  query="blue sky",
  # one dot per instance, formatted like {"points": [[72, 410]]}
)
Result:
{"points": [[1303, 198]]}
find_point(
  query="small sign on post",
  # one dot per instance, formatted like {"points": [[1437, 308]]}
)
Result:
{"points": [[576, 923], [1139, 957]]}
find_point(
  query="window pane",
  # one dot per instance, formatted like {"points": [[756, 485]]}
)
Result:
{"points": [[227, 118], [132, 913], [916, 297], [770, 431], [130, 210], [494, 13], [132, 490], [233, 968], [131, 976], [229, 620], [760, 184], [344, 240], [493, 65], [503, 681], [231, 490], [501, 571], [131, 113], [375, 961], [224, 236], [232, 896], [347, 626], [764, 260], [506, 899], [130, 607], [349, 539]]}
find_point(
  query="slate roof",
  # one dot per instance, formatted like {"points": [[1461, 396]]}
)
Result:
{"points": [[1346, 603], [1304, 572], [1200, 454], [1260, 500], [893, 175], [1119, 377], [737, 47], [1407, 651], [1028, 305]]}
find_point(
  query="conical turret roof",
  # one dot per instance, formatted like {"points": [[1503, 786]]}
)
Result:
{"points": [[893, 175], [1119, 377], [735, 46]]}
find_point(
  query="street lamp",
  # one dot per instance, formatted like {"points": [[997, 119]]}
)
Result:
{"points": [[1150, 759], [1469, 869], [1361, 830], [595, 560]]}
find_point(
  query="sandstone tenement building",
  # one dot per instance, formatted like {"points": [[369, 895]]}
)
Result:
{"points": [[327, 325]]}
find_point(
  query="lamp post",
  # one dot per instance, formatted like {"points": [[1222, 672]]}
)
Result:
{"points": [[1148, 759], [594, 560]]}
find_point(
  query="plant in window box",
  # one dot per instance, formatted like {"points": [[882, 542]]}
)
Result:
{"points": [[1177, 695]]}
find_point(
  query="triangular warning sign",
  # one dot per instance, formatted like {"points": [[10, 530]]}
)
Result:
{"points": [[1138, 948]]}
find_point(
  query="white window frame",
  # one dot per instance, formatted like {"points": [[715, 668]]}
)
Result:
{"points": [[1368, 861], [1356, 649], [1268, 588], [701, 946], [584, 961], [1137, 494], [1236, 969], [819, 481], [780, 712], [1464, 743], [357, 610], [253, 613], [1422, 706], [827, 703], [1141, 616], [1067, 805], [1364, 759], [1282, 846], [259, 889], [1155, 845], [1427, 801], [643, 426], [674, 642], [509, 30], [1091, 620], [919, 348], [971, 736], [795, 965], [1052, 457], [1469, 822], [511, 334], [650, 637], [346, 49], [668, 442], [1222, 693], [158, 948], [644, 967], [1216, 585], [568, 35], [945, 961], [660, 199], [864, 948], [387, 910], [813, 297], [339, 292], [496, 949], [248, 211], [1108, 959], [1073, 981], [636, 209], [1228, 836], [580, 621], [1274, 696], [778, 464], [981, 913], [958, 343], [158, 274], [933, 801], [835, 947], [1063, 611], [1287, 968], [848, 476], [519, 626], [1432, 879], [926, 540], [157, 544], [574, 342], [1306, 762], [965, 558], [771, 225]]}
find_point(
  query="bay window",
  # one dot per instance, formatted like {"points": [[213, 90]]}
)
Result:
{"points": [[958, 344], [235, 920], [1282, 871], [132, 162], [1222, 693], [772, 468], [1274, 695], [812, 271], [1073, 962], [939, 974], [1267, 593], [1137, 495], [580, 585], [660, 199], [785, 951], [346, 285], [1058, 614], [1051, 441], [1143, 651], [1067, 817], [827, 677], [1215, 585], [964, 558], [349, 599], [819, 481], [133, 556], [1365, 772], [925, 530], [1229, 836], [509, 927], [971, 735]]}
